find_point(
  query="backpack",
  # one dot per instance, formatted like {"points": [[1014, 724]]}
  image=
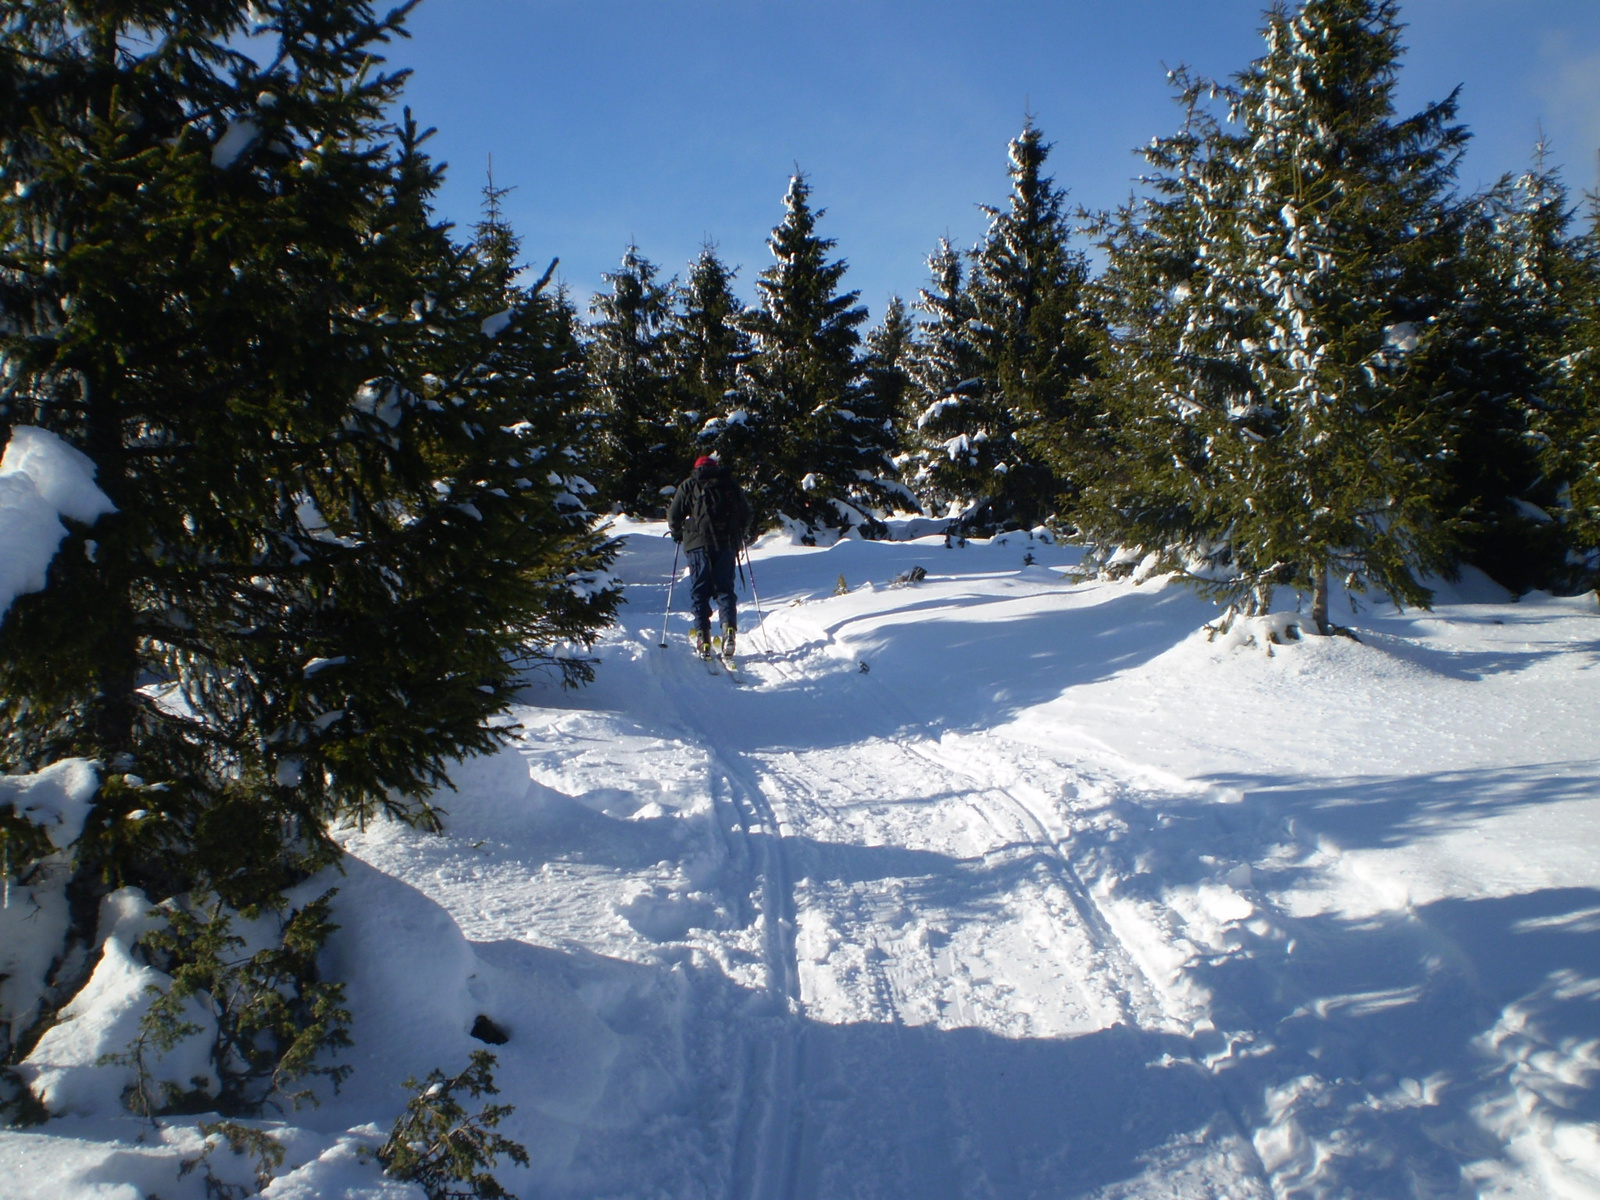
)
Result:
{"points": [[714, 511]]}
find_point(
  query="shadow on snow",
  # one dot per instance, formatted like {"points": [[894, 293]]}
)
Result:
{"points": [[1376, 1056]]}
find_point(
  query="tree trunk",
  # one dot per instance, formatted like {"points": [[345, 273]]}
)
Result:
{"points": [[1319, 599], [114, 712], [1260, 599]]}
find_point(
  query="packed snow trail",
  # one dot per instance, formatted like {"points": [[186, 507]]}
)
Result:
{"points": [[928, 998], [991, 886], [765, 1152], [941, 943], [939, 920]]}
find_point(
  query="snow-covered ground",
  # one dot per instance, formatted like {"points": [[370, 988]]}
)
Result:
{"points": [[990, 885]]}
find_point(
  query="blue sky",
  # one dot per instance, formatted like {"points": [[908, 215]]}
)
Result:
{"points": [[671, 122]]}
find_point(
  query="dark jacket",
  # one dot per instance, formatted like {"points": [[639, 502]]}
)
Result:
{"points": [[686, 516]]}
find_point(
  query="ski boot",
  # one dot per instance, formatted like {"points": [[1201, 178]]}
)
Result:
{"points": [[702, 641], [727, 645]]}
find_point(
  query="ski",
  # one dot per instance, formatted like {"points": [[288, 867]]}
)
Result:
{"points": [[710, 661], [716, 663]]}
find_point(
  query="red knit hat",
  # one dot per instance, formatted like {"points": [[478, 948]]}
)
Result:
{"points": [[704, 460]]}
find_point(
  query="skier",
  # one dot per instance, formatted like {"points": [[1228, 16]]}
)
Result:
{"points": [[710, 516]]}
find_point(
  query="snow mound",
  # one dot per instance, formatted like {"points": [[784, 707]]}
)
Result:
{"points": [[70, 1069], [344, 1171], [416, 986], [56, 799], [42, 480], [34, 916], [1273, 629]]}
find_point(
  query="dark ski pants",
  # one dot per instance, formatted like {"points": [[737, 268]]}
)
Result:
{"points": [[711, 577]]}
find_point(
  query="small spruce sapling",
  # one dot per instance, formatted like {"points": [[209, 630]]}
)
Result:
{"points": [[241, 1141], [274, 1017], [435, 1143]]}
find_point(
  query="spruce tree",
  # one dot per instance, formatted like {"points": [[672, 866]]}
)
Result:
{"points": [[1038, 345], [1169, 359], [496, 244], [537, 339], [805, 452], [1515, 276], [886, 384], [535, 365], [1320, 233], [943, 459], [628, 364], [334, 439], [707, 347], [1569, 427]]}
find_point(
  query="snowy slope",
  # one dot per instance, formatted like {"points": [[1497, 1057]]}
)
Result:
{"points": [[992, 885]]}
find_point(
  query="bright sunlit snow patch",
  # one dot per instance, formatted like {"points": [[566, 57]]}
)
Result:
{"points": [[235, 140], [1402, 338], [42, 480]]}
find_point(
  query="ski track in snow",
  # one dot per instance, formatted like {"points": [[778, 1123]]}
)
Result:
{"points": [[765, 1151], [976, 920]]}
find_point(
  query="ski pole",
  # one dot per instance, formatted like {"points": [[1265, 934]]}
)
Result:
{"points": [[671, 582], [756, 596]]}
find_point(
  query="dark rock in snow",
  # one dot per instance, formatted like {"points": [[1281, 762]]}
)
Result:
{"points": [[486, 1030]]}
